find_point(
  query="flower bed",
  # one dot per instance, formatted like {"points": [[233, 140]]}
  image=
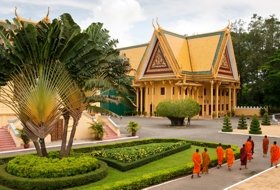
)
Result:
{"points": [[127, 158], [134, 153]]}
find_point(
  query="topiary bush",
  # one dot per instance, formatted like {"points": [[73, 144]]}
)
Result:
{"points": [[227, 125], [33, 166], [242, 123], [255, 126], [265, 120], [177, 110]]}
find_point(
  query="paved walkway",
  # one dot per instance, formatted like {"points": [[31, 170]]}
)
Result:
{"points": [[204, 130]]}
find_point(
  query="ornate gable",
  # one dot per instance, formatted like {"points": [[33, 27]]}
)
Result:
{"points": [[225, 67], [157, 63]]}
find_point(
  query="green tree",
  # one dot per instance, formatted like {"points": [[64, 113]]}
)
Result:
{"points": [[272, 81], [88, 58], [242, 124], [255, 126], [253, 47], [265, 120], [227, 125], [177, 110]]}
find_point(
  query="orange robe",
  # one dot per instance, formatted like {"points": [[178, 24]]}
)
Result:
{"points": [[220, 154], [230, 157], [197, 162], [265, 145], [274, 154], [248, 147], [205, 161]]}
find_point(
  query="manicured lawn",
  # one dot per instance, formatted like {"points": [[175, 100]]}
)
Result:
{"points": [[177, 160]]}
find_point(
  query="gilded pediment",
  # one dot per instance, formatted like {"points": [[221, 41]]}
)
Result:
{"points": [[157, 63]]}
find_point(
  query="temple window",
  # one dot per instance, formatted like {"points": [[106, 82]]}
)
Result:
{"points": [[162, 91]]}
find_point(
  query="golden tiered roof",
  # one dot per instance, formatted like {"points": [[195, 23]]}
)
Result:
{"points": [[194, 56]]}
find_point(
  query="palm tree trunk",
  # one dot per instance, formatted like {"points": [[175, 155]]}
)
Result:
{"points": [[66, 117], [73, 131], [38, 149], [43, 147]]}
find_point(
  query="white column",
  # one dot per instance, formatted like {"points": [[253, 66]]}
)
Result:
{"points": [[234, 97], [217, 99], [211, 94], [141, 102], [229, 99], [202, 92], [137, 98]]}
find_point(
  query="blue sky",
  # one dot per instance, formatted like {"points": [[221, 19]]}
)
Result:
{"points": [[130, 21]]}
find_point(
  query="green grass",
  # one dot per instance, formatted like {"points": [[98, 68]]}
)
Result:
{"points": [[176, 160], [4, 188]]}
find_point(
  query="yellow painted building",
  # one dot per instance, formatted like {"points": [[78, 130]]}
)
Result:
{"points": [[172, 66]]}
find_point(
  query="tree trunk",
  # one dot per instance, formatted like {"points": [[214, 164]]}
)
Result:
{"points": [[176, 121], [73, 131], [38, 149], [43, 147], [66, 117]]}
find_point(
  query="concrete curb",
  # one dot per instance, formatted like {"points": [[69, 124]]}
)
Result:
{"points": [[255, 135]]}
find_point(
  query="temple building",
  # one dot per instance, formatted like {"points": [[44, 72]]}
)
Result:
{"points": [[172, 67]]}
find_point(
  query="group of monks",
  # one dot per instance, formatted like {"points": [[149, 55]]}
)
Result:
{"points": [[246, 154]]}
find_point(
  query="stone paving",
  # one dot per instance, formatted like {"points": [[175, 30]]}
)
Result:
{"points": [[204, 130]]}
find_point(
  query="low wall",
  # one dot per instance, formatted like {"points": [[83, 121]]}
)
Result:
{"points": [[248, 110]]}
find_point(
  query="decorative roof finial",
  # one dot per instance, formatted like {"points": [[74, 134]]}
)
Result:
{"points": [[229, 25], [46, 19], [153, 24], [157, 23], [16, 13]]}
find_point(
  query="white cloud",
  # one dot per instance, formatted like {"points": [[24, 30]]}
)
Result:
{"points": [[118, 16], [6, 10]]}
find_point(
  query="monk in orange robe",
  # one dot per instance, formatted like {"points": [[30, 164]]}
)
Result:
{"points": [[205, 161], [229, 157], [197, 163], [265, 145], [220, 155], [248, 147], [274, 154]]}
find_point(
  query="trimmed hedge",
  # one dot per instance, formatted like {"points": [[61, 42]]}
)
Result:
{"points": [[33, 166], [147, 180], [52, 183], [128, 166], [89, 149]]}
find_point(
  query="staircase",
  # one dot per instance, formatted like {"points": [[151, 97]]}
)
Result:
{"points": [[109, 133], [6, 140]]}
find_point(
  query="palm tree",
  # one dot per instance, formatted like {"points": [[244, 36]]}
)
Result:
{"points": [[34, 53]]}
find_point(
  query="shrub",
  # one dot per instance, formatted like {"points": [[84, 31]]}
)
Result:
{"points": [[262, 111], [132, 127], [177, 110], [52, 183], [98, 130], [265, 120], [25, 139], [242, 124], [125, 159], [255, 126], [32, 166], [227, 125]]}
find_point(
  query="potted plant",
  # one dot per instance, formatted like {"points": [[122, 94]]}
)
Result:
{"points": [[25, 139], [132, 128], [98, 130]]}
